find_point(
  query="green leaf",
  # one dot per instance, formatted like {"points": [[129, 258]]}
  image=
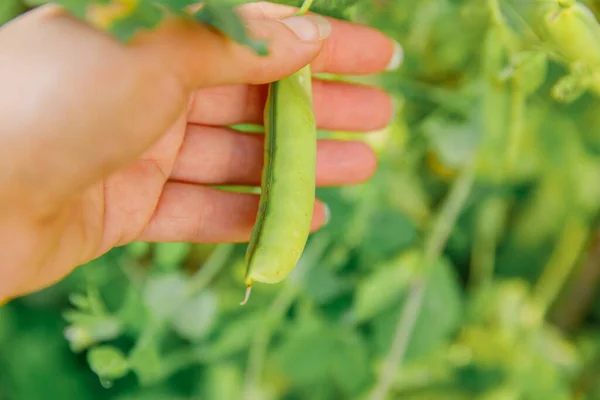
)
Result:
{"points": [[221, 15], [438, 320], [323, 284], [306, 353], [313, 353], [176, 4], [75, 7], [235, 336], [385, 286], [454, 142], [388, 233], [108, 362], [197, 317], [165, 294], [441, 313], [350, 366], [34, 3], [9, 9], [145, 16]]}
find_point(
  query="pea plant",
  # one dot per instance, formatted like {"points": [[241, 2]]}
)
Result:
{"points": [[466, 268]]}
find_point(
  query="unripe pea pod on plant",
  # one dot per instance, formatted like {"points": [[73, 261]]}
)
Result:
{"points": [[288, 180], [574, 32]]}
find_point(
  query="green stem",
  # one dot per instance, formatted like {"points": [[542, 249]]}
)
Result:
{"points": [[450, 211], [517, 121], [435, 243], [562, 262], [489, 222], [212, 266], [305, 7]]}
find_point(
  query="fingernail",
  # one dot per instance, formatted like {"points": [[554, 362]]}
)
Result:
{"points": [[397, 57], [310, 28], [327, 211]]}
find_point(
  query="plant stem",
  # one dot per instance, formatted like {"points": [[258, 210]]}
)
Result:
{"points": [[577, 301], [517, 121], [212, 266], [449, 213], [435, 243], [489, 221], [564, 258]]}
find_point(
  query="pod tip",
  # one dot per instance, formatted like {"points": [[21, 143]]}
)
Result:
{"points": [[247, 296]]}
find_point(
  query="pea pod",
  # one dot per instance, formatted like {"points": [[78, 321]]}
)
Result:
{"points": [[574, 32], [288, 181]]}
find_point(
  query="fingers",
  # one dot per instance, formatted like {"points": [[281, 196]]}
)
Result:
{"points": [[351, 48], [354, 49], [219, 156], [192, 213], [338, 106], [203, 57]]}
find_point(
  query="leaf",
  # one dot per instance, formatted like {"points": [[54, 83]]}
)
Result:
{"points": [[323, 284], [235, 336], [305, 354], [439, 316], [10, 9], [314, 353], [165, 294], [349, 367], [197, 317], [221, 15], [34, 3], [108, 362], [388, 233], [441, 312], [454, 142], [145, 16], [385, 286]]}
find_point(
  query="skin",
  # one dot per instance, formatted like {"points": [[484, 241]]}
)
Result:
{"points": [[102, 144]]}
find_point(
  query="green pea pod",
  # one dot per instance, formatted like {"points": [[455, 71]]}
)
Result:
{"points": [[575, 32], [288, 181]]}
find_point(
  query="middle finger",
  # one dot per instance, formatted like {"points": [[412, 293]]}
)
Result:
{"points": [[221, 156], [337, 106]]}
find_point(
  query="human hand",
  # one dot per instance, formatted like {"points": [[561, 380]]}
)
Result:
{"points": [[102, 144]]}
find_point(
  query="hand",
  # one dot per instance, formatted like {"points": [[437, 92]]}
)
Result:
{"points": [[102, 144]]}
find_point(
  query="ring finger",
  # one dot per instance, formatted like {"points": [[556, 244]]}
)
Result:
{"points": [[221, 156]]}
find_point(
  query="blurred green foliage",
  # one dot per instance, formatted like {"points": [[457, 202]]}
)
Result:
{"points": [[467, 268]]}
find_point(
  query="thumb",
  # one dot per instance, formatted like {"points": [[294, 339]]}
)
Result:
{"points": [[205, 57]]}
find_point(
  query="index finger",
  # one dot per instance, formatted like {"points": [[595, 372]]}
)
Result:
{"points": [[352, 49]]}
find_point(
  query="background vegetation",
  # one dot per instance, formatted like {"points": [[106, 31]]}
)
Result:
{"points": [[467, 268]]}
